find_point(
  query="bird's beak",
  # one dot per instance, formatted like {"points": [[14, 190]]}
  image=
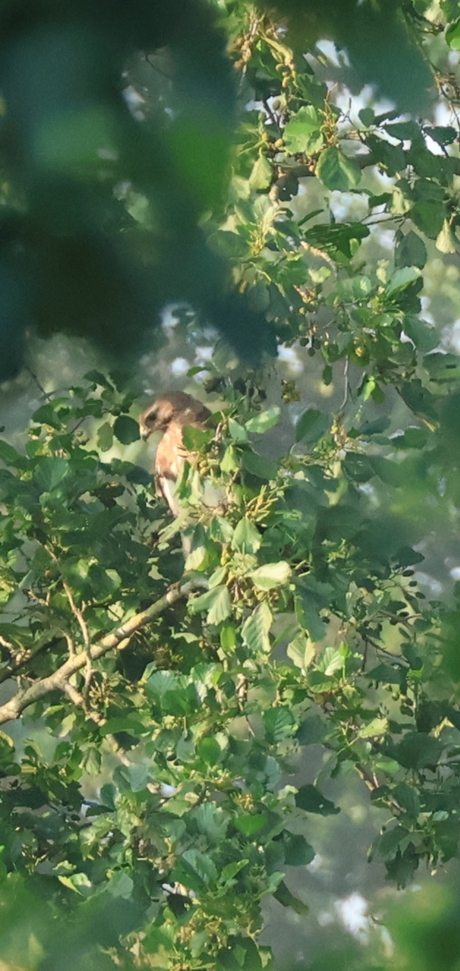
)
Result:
{"points": [[144, 433]]}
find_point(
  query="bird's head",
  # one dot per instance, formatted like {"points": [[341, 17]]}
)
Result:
{"points": [[171, 406]]}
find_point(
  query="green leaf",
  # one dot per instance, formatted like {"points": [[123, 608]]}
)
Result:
{"points": [[237, 431], [47, 415], [411, 438], [206, 600], [221, 608], [161, 683], [453, 35], [256, 629], [411, 251], [416, 750], [374, 728], [78, 882], [424, 336], [442, 367], [311, 425], [302, 133], [312, 730], [210, 819], [389, 842], [132, 777], [251, 823], [105, 436], [126, 429], [262, 173], [336, 171], [407, 798], [10, 456], [301, 651], [271, 575], [218, 577], [50, 471], [429, 217], [195, 438], [284, 896], [297, 852], [228, 639], [279, 723], [311, 596], [97, 377], [312, 800], [241, 954], [231, 869], [120, 885], [229, 461], [330, 661], [125, 723], [246, 538], [442, 134], [401, 279], [358, 467], [198, 551], [220, 530], [209, 750], [418, 398], [403, 130], [367, 116], [228, 244], [265, 420], [195, 870], [446, 241], [259, 466]]}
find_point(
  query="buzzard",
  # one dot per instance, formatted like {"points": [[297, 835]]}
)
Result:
{"points": [[169, 413]]}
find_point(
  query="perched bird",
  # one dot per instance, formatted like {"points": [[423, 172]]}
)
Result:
{"points": [[170, 413]]}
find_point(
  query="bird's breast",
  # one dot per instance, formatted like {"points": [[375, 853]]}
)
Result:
{"points": [[171, 454]]}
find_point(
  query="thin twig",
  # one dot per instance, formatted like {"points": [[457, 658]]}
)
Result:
{"points": [[78, 615], [39, 385], [270, 114], [347, 386]]}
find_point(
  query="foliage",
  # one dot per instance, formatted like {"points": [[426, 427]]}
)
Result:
{"points": [[163, 703], [188, 715], [109, 197]]}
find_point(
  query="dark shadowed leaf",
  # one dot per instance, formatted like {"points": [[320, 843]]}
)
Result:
{"points": [[312, 800]]}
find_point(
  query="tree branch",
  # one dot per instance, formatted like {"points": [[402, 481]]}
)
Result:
{"points": [[120, 638]]}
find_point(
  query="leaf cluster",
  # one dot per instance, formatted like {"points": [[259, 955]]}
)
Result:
{"points": [[189, 707]]}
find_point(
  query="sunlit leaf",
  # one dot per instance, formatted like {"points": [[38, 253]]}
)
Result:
{"points": [[256, 628], [376, 727], [250, 824], [301, 651], [271, 575], [265, 420], [303, 132], [221, 607], [246, 537]]}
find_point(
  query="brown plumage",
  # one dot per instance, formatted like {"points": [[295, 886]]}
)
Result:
{"points": [[170, 413]]}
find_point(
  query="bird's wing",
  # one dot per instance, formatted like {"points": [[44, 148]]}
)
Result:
{"points": [[169, 462]]}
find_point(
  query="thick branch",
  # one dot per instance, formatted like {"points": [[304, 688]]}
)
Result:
{"points": [[119, 638]]}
